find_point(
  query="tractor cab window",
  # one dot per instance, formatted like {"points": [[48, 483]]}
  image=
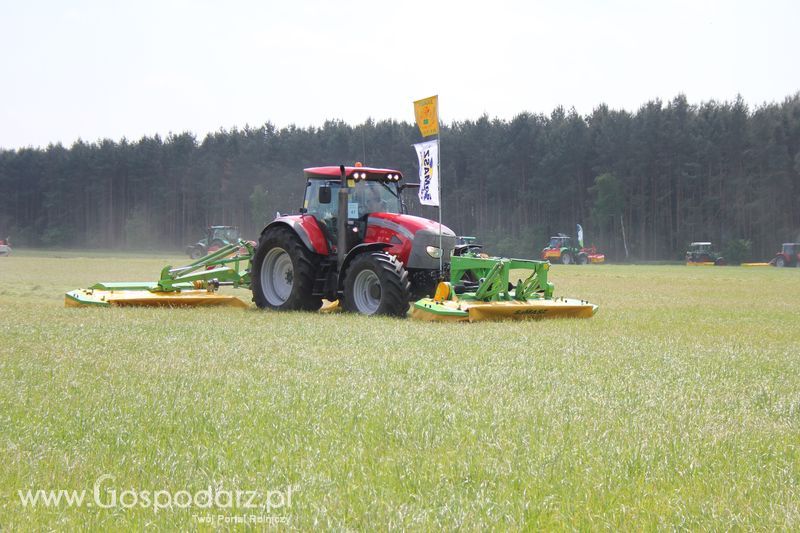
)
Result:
{"points": [[324, 212], [365, 197], [375, 197], [225, 234], [556, 242], [312, 204]]}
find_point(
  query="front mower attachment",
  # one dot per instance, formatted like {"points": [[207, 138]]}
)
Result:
{"points": [[480, 289], [193, 285]]}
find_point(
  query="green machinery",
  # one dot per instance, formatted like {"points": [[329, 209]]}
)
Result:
{"points": [[192, 285], [481, 288]]}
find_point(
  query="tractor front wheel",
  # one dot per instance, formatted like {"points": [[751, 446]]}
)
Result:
{"points": [[780, 262], [283, 272], [566, 259], [583, 259], [376, 284]]}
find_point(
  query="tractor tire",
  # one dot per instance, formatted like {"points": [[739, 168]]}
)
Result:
{"points": [[720, 261], [780, 262], [197, 252], [376, 283], [583, 259], [566, 259], [283, 271]]}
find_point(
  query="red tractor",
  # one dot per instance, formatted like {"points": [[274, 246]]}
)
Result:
{"points": [[352, 241], [788, 256]]}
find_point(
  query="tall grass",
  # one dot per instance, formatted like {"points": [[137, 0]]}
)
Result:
{"points": [[676, 406]]}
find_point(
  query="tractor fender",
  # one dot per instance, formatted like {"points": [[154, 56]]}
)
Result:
{"points": [[356, 251], [306, 229]]}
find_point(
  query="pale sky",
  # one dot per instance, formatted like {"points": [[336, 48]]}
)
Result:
{"points": [[107, 69]]}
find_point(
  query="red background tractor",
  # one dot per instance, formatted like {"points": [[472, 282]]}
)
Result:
{"points": [[788, 256]]}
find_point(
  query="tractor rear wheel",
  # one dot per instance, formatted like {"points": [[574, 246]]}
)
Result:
{"points": [[566, 258], [197, 252], [376, 284], [583, 259], [283, 272]]}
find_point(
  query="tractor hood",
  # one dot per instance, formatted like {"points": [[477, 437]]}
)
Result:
{"points": [[408, 225], [418, 238]]}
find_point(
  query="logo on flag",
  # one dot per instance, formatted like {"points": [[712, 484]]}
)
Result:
{"points": [[427, 115], [428, 156]]}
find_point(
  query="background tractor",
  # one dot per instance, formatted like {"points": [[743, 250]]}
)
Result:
{"points": [[567, 250], [352, 241], [466, 244], [788, 256], [216, 237], [703, 252]]}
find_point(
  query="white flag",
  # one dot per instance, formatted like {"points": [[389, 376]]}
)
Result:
{"points": [[428, 155], [580, 236]]}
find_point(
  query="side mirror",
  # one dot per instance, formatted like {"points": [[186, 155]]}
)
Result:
{"points": [[324, 194], [404, 186]]}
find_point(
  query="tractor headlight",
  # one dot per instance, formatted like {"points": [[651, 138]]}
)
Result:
{"points": [[434, 251]]}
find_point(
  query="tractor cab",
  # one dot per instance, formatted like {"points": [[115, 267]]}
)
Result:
{"points": [[225, 234], [700, 247], [791, 248], [702, 252], [369, 191], [559, 241]]}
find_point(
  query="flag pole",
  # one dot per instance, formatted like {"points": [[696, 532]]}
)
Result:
{"points": [[423, 109], [439, 170]]}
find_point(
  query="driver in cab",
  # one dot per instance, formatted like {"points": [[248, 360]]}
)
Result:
{"points": [[371, 201]]}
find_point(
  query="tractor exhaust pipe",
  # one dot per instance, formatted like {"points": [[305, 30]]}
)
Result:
{"points": [[341, 223]]}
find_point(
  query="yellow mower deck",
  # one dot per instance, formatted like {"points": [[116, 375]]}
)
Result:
{"points": [[474, 310], [185, 298], [193, 285]]}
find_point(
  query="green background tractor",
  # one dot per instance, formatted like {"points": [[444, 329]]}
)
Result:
{"points": [[703, 252], [216, 237]]}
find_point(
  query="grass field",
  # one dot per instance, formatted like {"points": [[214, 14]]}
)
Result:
{"points": [[676, 406]]}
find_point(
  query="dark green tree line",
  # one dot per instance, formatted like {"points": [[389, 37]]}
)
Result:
{"points": [[669, 173]]}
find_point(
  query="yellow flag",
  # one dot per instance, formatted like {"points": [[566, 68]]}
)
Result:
{"points": [[427, 114]]}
